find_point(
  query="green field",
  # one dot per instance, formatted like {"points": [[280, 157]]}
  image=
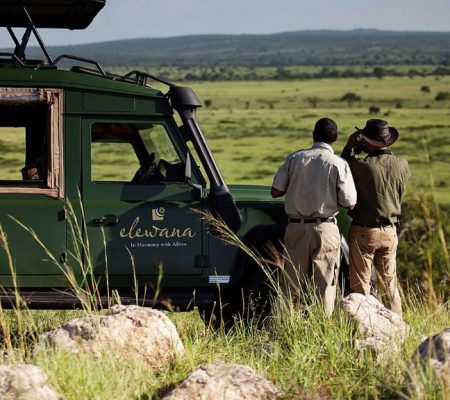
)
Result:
{"points": [[252, 126]]}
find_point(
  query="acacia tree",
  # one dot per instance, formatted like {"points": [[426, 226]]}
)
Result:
{"points": [[350, 98], [425, 89]]}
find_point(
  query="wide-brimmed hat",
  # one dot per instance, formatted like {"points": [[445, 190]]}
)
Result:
{"points": [[378, 133]]}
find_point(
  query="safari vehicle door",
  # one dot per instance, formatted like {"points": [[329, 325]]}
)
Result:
{"points": [[141, 215], [31, 186]]}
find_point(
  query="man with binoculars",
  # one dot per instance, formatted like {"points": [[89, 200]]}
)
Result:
{"points": [[380, 180]]}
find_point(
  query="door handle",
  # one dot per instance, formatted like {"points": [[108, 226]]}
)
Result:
{"points": [[106, 220]]}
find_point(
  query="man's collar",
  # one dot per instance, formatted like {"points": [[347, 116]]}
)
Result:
{"points": [[322, 145], [379, 152]]}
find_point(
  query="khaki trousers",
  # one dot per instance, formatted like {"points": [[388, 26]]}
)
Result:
{"points": [[375, 247], [314, 254]]}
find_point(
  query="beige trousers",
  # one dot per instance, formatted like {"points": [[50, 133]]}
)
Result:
{"points": [[375, 247], [314, 254]]}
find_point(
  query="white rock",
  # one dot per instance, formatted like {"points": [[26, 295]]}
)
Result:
{"points": [[128, 329], [381, 328], [25, 382], [224, 381]]}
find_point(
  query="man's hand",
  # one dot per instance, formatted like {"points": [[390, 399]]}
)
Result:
{"points": [[276, 192], [352, 140]]}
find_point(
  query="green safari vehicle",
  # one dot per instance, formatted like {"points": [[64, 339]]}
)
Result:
{"points": [[99, 183]]}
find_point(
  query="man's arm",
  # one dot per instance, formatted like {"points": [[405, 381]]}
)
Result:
{"points": [[351, 143], [346, 189], [276, 192], [281, 180]]}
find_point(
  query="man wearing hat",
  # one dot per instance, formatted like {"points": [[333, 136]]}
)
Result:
{"points": [[316, 182], [380, 180]]}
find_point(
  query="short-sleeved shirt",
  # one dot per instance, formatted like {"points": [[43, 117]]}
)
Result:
{"points": [[316, 182], [380, 180]]}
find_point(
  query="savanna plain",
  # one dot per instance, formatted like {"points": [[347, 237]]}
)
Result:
{"points": [[251, 126]]}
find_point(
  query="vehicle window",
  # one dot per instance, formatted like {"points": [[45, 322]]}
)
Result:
{"points": [[24, 136], [113, 162], [157, 140], [136, 153]]}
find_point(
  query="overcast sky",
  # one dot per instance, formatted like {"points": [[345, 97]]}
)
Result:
{"points": [[123, 19]]}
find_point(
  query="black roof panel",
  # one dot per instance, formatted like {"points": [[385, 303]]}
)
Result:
{"points": [[66, 14]]}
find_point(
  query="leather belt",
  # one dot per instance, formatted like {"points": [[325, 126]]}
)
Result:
{"points": [[380, 225], [317, 220]]}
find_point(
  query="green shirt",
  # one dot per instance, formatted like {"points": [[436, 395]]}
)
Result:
{"points": [[380, 180]]}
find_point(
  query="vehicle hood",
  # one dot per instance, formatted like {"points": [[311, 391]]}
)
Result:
{"points": [[258, 193]]}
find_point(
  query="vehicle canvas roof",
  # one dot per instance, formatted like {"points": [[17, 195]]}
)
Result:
{"points": [[65, 14]]}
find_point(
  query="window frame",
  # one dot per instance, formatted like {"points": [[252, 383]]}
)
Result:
{"points": [[55, 167]]}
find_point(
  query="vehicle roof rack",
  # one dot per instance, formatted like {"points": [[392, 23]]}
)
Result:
{"points": [[136, 77], [33, 14]]}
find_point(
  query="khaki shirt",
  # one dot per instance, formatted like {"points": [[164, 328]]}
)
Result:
{"points": [[316, 182], [380, 180]]}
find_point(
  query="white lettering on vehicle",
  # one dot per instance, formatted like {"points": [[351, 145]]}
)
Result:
{"points": [[135, 231]]}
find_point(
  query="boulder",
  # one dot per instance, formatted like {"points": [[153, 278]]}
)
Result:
{"points": [[381, 329], [127, 329], [224, 381], [25, 382], [432, 353]]}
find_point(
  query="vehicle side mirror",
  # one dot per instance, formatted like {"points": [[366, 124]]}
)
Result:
{"points": [[198, 191]]}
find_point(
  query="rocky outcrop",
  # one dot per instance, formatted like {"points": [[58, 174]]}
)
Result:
{"points": [[380, 328], [126, 329], [224, 381], [433, 354], [25, 382]]}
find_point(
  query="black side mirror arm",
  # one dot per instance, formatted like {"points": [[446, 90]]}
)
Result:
{"points": [[199, 191]]}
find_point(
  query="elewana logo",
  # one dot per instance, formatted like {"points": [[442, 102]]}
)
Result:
{"points": [[158, 214]]}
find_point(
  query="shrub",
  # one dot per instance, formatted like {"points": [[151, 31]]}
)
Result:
{"points": [[374, 110], [312, 101], [442, 96]]}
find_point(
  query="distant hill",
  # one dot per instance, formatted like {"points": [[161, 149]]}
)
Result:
{"points": [[321, 47]]}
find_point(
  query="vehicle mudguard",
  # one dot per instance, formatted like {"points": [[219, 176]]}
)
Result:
{"points": [[254, 239]]}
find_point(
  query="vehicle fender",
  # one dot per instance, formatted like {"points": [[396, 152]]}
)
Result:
{"points": [[253, 239]]}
